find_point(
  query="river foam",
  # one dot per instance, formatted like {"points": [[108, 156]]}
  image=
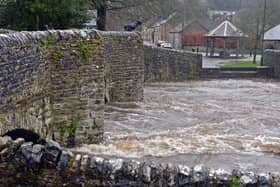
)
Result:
{"points": [[201, 117]]}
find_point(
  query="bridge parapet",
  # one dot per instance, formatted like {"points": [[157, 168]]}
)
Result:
{"points": [[171, 65], [49, 165], [52, 82]]}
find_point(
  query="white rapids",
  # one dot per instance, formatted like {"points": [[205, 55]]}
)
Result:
{"points": [[218, 117]]}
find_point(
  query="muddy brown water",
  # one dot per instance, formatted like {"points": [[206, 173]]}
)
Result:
{"points": [[219, 123]]}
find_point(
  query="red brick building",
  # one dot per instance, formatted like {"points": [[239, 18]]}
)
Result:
{"points": [[192, 33]]}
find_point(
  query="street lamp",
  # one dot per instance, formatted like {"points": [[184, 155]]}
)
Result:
{"points": [[263, 30], [183, 24]]}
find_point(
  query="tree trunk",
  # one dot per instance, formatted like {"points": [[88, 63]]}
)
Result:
{"points": [[101, 16], [37, 22]]}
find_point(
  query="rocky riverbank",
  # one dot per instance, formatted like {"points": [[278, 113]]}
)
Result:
{"points": [[27, 164]]}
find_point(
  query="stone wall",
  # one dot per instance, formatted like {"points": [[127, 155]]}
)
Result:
{"points": [[54, 82], [23, 70], [27, 164], [171, 65], [272, 58], [124, 70], [77, 88]]}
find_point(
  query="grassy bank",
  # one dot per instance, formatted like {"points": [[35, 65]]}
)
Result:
{"points": [[242, 64]]}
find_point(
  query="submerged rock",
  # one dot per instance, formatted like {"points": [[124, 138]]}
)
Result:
{"points": [[37, 153], [49, 165], [63, 160], [51, 154], [184, 175]]}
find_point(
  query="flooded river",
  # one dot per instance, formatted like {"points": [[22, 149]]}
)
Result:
{"points": [[218, 123]]}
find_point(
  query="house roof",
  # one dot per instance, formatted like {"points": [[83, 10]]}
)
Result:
{"points": [[178, 28], [226, 30], [149, 23], [208, 24], [205, 23], [165, 20], [273, 34]]}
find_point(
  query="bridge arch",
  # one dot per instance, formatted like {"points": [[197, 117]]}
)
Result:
{"points": [[27, 135]]}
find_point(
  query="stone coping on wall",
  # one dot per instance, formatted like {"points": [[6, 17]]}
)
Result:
{"points": [[277, 51], [49, 165], [171, 49], [6, 31], [26, 37], [118, 33], [10, 39]]}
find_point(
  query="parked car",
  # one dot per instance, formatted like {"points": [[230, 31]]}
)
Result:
{"points": [[166, 45]]}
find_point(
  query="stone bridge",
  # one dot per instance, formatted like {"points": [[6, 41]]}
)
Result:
{"points": [[56, 83]]}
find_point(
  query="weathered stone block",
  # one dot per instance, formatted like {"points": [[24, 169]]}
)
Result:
{"points": [[271, 58], [124, 69]]}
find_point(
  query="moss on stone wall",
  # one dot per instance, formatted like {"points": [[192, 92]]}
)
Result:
{"points": [[72, 73], [94, 125], [56, 55], [113, 94], [67, 67], [64, 128], [83, 49], [47, 41], [116, 41], [235, 182], [3, 116], [70, 69]]}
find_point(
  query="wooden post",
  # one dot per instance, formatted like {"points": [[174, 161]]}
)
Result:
{"points": [[241, 47], [212, 47], [263, 29], [207, 46], [237, 47], [225, 47]]}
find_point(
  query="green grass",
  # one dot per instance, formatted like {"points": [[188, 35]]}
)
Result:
{"points": [[242, 64]]}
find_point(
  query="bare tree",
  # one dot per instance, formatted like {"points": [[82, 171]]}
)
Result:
{"points": [[250, 20], [122, 12], [103, 6]]}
